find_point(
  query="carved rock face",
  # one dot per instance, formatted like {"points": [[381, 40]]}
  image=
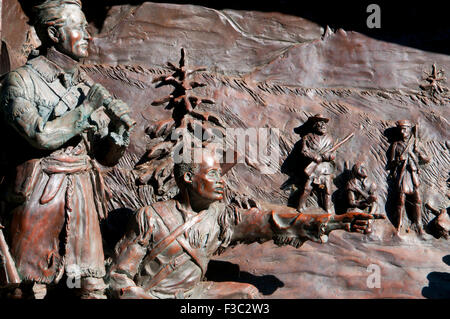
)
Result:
{"points": [[73, 38]]}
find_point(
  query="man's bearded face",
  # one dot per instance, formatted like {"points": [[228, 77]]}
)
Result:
{"points": [[320, 127], [405, 132]]}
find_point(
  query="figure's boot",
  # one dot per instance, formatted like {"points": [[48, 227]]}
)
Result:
{"points": [[399, 217], [418, 221]]}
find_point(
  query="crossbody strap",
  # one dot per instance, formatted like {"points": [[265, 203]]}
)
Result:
{"points": [[164, 243]]}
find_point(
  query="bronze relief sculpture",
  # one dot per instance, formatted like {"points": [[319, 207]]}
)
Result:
{"points": [[57, 196], [75, 163], [405, 157], [311, 162], [168, 245], [361, 190]]}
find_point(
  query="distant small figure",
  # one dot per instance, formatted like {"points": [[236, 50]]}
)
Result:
{"points": [[405, 156], [440, 225], [318, 151]]}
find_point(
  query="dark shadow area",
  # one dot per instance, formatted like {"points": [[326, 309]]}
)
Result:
{"points": [[5, 63], [294, 166], [221, 271], [114, 227], [391, 200], [339, 197], [439, 283]]}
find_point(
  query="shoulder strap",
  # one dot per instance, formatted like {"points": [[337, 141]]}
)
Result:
{"points": [[164, 243], [53, 87]]}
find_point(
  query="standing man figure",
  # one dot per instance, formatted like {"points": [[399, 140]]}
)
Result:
{"points": [[405, 156], [59, 123], [315, 149]]}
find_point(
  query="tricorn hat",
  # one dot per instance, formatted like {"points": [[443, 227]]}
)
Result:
{"points": [[310, 121]]}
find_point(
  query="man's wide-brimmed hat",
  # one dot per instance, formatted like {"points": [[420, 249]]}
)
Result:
{"points": [[311, 120], [403, 123]]}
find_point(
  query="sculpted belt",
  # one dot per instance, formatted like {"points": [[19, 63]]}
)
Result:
{"points": [[59, 166]]}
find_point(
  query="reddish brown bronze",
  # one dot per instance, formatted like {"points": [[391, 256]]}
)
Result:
{"points": [[168, 245], [361, 191], [405, 156], [64, 121], [435, 87], [262, 70], [9, 273], [157, 169]]}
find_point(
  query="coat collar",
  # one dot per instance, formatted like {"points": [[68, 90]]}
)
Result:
{"points": [[53, 65]]}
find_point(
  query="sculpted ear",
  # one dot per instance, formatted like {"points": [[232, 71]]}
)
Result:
{"points": [[187, 177], [53, 34]]}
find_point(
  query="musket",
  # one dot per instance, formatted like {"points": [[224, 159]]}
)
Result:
{"points": [[312, 166], [8, 266]]}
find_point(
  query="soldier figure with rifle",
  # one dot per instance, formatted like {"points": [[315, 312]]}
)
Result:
{"points": [[405, 156], [318, 151]]}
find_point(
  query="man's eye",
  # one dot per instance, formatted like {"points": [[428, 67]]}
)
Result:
{"points": [[212, 173]]}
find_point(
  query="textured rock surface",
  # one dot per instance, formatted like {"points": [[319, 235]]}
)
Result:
{"points": [[341, 268], [273, 70]]}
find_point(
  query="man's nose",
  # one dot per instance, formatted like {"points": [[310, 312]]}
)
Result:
{"points": [[87, 36]]}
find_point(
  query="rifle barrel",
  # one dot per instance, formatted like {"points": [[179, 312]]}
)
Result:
{"points": [[349, 136]]}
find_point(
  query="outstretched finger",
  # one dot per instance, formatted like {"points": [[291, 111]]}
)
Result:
{"points": [[362, 216], [362, 222], [356, 227]]}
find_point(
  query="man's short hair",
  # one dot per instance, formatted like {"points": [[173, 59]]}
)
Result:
{"points": [[48, 14], [182, 168]]}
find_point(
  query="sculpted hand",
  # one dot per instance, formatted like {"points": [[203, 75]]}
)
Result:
{"points": [[98, 96], [328, 157], [371, 199], [119, 112], [356, 222], [118, 109], [244, 202]]}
